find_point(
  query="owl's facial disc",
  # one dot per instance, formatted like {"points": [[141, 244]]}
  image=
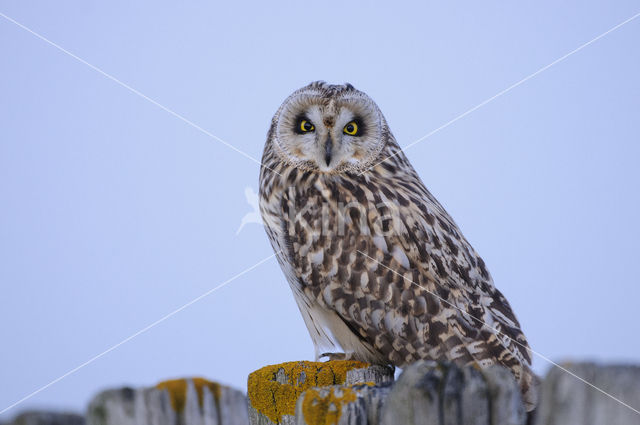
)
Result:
{"points": [[329, 135]]}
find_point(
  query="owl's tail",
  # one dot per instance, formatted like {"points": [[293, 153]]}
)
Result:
{"points": [[530, 386]]}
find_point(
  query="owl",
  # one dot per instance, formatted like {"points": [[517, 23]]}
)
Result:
{"points": [[379, 270]]}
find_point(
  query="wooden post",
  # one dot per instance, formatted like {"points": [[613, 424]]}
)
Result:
{"points": [[193, 401], [426, 393], [274, 390], [43, 417], [358, 404], [355, 393], [568, 401]]}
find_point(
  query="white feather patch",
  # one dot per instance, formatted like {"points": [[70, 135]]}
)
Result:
{"points": [[399, 255]]}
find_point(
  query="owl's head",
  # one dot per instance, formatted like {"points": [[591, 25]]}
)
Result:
{"points": [[328, 128]]}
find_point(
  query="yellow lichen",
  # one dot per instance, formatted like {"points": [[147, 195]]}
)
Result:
{"points": [[177, 389], [274, 400], [319, 410]]}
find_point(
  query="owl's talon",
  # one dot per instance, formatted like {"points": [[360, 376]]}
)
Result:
{"points": [[334, 356]]}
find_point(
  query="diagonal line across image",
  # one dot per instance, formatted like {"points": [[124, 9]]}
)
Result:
{"points": [[508, 89], [502, 334], [138, 333], [134, 91], [192, 124]]}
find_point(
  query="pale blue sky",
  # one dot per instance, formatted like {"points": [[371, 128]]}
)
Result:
{"points": [[114, 213]]}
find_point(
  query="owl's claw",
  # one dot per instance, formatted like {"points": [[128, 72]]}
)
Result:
{"points": [[334, 356]]}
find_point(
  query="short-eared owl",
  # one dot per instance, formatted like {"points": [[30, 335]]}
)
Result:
{"points": [[378, 268]]}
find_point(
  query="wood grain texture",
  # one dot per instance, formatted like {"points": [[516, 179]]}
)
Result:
{"points": [[566, 400], [274, 391], [195, 402]]}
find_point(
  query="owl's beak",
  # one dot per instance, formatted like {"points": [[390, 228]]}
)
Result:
{"points": [[328, 148]]}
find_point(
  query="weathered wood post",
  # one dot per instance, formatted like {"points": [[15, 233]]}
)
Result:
{"points": [[358, 404], [193, 401], [568, 401], [274, 391], [43, 417], [354, 393], [426, 393]]}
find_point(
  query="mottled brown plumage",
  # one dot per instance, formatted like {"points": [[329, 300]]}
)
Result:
{"points": [[377, 266]]}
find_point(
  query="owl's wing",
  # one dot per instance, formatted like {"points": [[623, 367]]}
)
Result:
{"points": [[406, 281], [434, 245], [411, 288], [406, 315]]}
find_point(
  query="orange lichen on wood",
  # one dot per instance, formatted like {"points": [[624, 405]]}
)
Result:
{"points": [[273, 399], [177, 389], [326, 410]]}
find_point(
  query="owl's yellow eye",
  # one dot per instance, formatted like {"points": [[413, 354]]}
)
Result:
{"points": [[306, 126], [351, 129]]}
